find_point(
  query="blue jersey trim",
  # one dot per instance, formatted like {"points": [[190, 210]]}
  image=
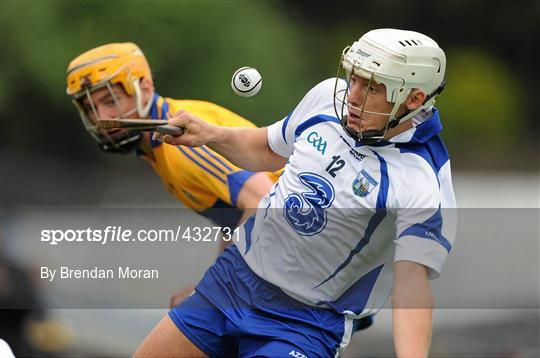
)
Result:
{"points": [[219, 160], [155, 143], [375, 220], [154, 109], [266, 210], [196, 152], [372, 225], [223, 214], [284, 127], [269, 196], [164, 109], [383, 190], [427, 129], [356, 297], [433, 152], [429, 229], [154, 115], [320, 118], [248, 227], [427, 143], [200, 165], [438, 152], [236, 182]]}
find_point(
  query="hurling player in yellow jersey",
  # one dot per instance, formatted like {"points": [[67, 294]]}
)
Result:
{"points": [[114, 81]]}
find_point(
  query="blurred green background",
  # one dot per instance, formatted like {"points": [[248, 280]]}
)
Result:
{"points": [[488, 107]]}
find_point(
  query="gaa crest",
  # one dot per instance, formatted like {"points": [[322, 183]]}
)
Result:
{"points": [[363, 184]]}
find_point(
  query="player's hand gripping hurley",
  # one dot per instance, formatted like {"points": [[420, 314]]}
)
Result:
{"points": [[152, 125], [195, 131]]}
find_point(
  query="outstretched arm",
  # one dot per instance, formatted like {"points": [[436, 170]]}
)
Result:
{"points": [[247, 148], [412, 304]]}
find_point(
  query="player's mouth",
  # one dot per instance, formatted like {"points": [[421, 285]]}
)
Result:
{"points": [[354, 120]]}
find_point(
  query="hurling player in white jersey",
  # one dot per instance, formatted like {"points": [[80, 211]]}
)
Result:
{"points": [[358, 151]]}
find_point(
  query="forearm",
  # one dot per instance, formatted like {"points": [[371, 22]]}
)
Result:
{"points": [[247, 148], [412, 305], [412, 332]]}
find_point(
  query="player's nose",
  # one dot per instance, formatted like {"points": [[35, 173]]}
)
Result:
{"points": [[356, 94], [356, 90]]}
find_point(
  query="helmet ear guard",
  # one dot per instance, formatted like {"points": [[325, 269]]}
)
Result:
{"points": [[142, 110], [429, 101]]}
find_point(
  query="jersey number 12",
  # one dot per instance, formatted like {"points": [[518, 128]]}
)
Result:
{"points": [[336, 164]]}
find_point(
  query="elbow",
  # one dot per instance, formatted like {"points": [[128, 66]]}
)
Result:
{"points": [[274, 161], [411, 287], [413, 298]]}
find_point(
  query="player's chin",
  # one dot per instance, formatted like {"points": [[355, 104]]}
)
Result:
{"points": [[354, 125], [361, 125]]}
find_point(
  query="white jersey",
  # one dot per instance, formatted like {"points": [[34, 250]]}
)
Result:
{"points": [[318, 234]]}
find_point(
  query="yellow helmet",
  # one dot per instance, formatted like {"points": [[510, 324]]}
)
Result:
{"points": [[102, 67], [122, 63]]}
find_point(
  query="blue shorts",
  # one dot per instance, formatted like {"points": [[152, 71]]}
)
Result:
{"points": [[233, 312]]}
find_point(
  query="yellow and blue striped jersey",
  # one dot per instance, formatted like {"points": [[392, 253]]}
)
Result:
{"points": [[199, 177]]}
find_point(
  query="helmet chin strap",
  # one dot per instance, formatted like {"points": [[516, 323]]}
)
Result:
{"points": [[366, 137], [124, 146]]}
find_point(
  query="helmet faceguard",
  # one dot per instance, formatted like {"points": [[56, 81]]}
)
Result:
{"points": [[401, 61], [101, 68]]}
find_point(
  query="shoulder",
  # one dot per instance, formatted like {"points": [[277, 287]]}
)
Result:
{"points": [[194, 105], [329, 84], [319, 100], [432, 154], [419, 185], [419, 189], [316, 107], [325, 89]]}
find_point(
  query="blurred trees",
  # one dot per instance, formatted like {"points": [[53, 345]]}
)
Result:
{"points": [[482, 105], [194, 47]]}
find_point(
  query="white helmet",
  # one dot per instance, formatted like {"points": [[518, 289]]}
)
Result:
{"points": [[399, 59]]}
